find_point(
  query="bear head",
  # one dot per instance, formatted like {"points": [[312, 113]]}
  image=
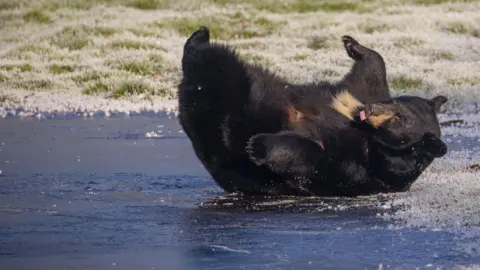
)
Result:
{"points": [[398, 123]]}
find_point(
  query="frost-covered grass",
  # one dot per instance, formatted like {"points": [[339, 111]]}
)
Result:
{"points": [[124, 55]]}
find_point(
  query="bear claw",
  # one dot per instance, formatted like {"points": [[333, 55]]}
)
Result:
{"points": [[351, 46], [256, 150], [350, 40]]}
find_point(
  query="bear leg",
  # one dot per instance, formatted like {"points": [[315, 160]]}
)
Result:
{"points": [[285, 152]]}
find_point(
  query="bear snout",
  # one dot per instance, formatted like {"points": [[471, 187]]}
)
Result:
{"points": [[377, 114]]}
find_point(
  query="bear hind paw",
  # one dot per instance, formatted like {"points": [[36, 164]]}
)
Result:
{"points": [[201, 36], [352, 47], [256, 149]]}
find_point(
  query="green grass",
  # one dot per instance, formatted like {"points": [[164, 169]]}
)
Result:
{"points": [[7, 97], [302, 6], [124, 89], [330, 73], [11, 19], [457, 28], [371, 27], [60, 69], [7, 4], [319, 42], [442, 55], [257, 60], [72, 38], [103, 31], [224, 26], [274, 6], [37, 16], [405, 42], [22, 51], [153, 65], [438, 2], [462, 28], [90, 76], [251, 45], [403, 82], [39, 84], [339, 6], [132, 88], [133, 45], [3, 78], [464, 81], [78, 37], [53, 5], [142, 33], [137, 67], [20, 67], [96, 88], [300, 57], [147, 4]]}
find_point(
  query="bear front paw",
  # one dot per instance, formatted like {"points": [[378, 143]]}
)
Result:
{"points": [[256, 149], [349, 40]]}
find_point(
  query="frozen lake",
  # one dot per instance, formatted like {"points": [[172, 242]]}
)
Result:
{"points": [[96, 193]]}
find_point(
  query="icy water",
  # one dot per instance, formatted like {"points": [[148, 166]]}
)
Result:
{"points": [[102, 193]]}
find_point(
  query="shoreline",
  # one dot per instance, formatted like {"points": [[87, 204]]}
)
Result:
{"points": [[39, 104]]}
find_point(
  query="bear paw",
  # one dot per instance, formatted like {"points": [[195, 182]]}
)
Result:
{"points": [[256, 149], [352, 47], [201, 36]]}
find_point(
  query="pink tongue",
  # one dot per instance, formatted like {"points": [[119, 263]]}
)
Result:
{"points": [[362, 115]]}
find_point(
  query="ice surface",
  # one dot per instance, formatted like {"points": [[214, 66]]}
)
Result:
{"points": [[131, 193]]}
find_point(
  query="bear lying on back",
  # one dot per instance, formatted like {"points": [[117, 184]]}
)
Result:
{"points": [[223, 102]]}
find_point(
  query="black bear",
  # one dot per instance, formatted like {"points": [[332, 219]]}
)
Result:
{"points": [[223, 102], [382, 146]]}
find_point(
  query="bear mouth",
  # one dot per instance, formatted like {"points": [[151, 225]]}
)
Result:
{"points": [[376, 114], [362, 115]]}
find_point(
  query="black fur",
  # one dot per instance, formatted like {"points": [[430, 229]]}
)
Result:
{"points": [[224, 102], [219, 113], [360, 159], [367, 80]]}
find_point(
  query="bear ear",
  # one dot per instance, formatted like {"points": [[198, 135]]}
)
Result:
{"points": [[437, 102], [434, 146]]}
